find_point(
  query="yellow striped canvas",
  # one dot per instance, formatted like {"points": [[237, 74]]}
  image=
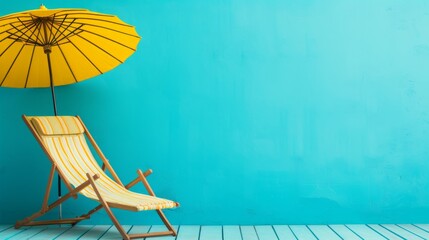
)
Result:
{"points": [[64, 139], [55, 125]]}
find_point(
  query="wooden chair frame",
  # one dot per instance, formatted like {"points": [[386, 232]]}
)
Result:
{"points": [[141, 177]]}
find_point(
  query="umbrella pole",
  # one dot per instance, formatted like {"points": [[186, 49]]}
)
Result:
{"points": [[51, 80], [47, 49]]}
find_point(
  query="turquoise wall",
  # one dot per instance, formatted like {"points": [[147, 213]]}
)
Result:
{"points": [[249, 112]]}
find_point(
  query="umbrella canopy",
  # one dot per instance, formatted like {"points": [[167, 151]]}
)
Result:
{"points": [[81, 45]]}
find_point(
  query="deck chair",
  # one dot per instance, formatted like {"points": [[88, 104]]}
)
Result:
{"points": [[63, 140]]}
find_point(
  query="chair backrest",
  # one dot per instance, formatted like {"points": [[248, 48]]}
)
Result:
{"points": [[64, 140]]}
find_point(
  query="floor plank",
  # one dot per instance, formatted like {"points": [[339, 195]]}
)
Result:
{"points": [[10, 232], [248, 233], [74, 232], [228, 232], [401, 232], [266, 232], [231, 233], [384, 232], [323, 232], [284, 232], [139, 229], [28, 232], [113, 233], [49, 233], [96, 232], [344, 232], [423, 226], [416, 230], [162, 228], [211, 233], [4, 227], [302, 232], [189, 233], [365, 232]]}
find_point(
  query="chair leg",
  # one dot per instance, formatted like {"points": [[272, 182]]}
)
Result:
{"points": [[166, 222], [159, 211], [108, 210], [29, 220]]}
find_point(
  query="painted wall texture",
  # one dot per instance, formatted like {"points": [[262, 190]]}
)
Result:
{"points": [[249, 112]]}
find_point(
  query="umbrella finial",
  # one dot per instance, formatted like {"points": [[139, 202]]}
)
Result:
{"points": [[42, 7]]}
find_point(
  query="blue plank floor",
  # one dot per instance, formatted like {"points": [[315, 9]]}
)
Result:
{"points": [[233, 232]]}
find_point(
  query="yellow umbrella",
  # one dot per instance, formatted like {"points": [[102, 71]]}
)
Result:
{"points": [[47, 48]]}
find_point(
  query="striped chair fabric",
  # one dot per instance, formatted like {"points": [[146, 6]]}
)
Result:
{"points": [[65, 141]]}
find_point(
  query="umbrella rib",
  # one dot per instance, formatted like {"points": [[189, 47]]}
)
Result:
{"points": [[64, 20], [13, 16], [27, 14], [119, 43], [11, 65], [79, 28], [38, 27], [18, 21], [66, 36], [32, 54], [93, 64], [86, 12], [16, 39], [53, 40], [61, 13], [99, 35], [58, 31], [102, 20], [29, 67], [67, 62], [19, 38], [66, 28], [7, 48], [30, 26], [100, 48], [111, 29], [49, 30], [16, 57]]}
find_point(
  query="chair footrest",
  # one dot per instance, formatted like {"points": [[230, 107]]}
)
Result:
{"points": [[154, 234]]}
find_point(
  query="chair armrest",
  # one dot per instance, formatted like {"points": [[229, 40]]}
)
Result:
{"points": [[137, 179]]}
